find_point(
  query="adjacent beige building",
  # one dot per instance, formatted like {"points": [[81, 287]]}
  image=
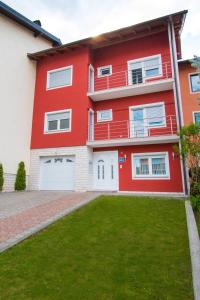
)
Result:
{"points": [[18, 36]]}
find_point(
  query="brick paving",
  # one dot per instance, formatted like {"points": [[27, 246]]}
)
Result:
{"points": [[15, 224]]}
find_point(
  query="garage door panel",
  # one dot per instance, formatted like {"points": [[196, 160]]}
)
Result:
{"points": [[57, 173]]}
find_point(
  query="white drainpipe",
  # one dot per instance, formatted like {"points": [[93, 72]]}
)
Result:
{"points": [[177, 97]]}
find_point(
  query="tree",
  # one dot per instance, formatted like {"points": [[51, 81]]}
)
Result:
{"points": [[1, 177], [20, 182]]}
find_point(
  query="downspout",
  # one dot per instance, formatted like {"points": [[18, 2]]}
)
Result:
{"points": [[177, 96]]}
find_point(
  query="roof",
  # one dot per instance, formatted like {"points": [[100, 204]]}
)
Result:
{"points": [[37, 29], [184, 61], [124, 34]]}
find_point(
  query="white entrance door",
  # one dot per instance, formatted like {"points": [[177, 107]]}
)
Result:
{"points": [[57, 173], [105, 172]]}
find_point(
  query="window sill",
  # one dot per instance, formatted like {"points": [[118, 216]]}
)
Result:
{"points": [[57, 131]]}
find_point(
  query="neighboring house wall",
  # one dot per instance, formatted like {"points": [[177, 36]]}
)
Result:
{"points": [[190, 103], [17, 77]]}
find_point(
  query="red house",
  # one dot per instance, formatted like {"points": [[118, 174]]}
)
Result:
{"points": [[107, 110]]}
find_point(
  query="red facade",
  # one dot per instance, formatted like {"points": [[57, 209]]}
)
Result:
{"points": [[75, 98]]}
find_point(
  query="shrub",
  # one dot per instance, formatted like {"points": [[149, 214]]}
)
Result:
{"points": [[195, 201], [20, 182], [195, 189], [1, 177]]}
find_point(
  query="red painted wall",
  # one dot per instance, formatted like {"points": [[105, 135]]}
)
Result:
{"points": [[120, 109], [118, 55], [126, 183], [74, 97]]}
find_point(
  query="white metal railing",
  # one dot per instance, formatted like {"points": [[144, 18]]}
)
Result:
{"points": [[126, 129], [123, 77]]}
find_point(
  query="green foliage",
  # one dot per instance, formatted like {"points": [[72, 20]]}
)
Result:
{"points": [[195, 189], [1, 177], [195, 201], [20, 182]]}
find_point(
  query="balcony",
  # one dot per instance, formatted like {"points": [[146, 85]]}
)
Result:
{"points": [[128, 132], [131, 82]]}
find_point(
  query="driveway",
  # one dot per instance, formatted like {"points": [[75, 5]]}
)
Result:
{"points": [[24, 213]]}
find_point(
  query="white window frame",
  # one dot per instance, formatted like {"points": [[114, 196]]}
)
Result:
{"points": [[190, 84], [46, 131], [142, 60], [55, 70], [150, 155], [104, 67], [143, 106], [99, 113], [193, 113]]}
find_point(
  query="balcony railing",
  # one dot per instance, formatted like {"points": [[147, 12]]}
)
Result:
{"points": [[131, 77], [129, 129]]}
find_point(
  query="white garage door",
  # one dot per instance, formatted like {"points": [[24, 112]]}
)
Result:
{"points": [[57, 173]]}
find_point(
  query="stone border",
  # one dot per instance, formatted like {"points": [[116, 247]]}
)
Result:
{"points": [[27, 233], [194, 244]]}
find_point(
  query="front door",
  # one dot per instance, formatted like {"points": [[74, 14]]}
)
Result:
{"points": [[105, 171]]}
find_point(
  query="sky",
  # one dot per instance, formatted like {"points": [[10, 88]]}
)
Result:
{"points": [[72, 20]]}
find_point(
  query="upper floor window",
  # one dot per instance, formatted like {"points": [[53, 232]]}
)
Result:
{"points": [[104, 115], [197, 117], [58, 121], [150, 165], [104, 71], [195, 83], [59, 78], [146, 116], [144, 68]]}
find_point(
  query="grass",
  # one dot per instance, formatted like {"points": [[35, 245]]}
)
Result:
{"points": [[116, 247]]}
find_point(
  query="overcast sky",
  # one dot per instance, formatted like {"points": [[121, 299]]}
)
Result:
{"points": [[71, 20]]}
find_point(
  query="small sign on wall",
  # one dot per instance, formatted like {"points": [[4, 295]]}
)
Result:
{"points": [[122, 159]]}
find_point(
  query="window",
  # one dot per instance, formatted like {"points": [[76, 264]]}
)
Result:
{"points": [[59, 77], [195, 83], [197, 117], [146, 116], [104, 71], [141, 69], [150, 165], [58, 121], [104, 115]]}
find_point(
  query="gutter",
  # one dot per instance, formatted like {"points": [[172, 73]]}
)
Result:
{"points": [[177, 95]]}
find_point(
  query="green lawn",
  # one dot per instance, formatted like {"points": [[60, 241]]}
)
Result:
{"points": [[116, 248]]}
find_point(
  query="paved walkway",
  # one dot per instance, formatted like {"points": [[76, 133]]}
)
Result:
{"points": [[24, 213]]}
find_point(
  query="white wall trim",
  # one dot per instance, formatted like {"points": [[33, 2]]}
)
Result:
{"points": [[57, 112], [143, 59], [189, 81], [193, 113], [103, 110], [55, 70], [104, 67], [150, 105], [150, 177]]}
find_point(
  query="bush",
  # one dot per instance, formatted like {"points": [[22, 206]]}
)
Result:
{"points": [[1, 177], [195, 201], [195, 189], [194, 174], [20, 182]]}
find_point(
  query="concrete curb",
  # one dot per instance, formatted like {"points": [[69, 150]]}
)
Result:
{"points": [[194, 244], [27, 233]]}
